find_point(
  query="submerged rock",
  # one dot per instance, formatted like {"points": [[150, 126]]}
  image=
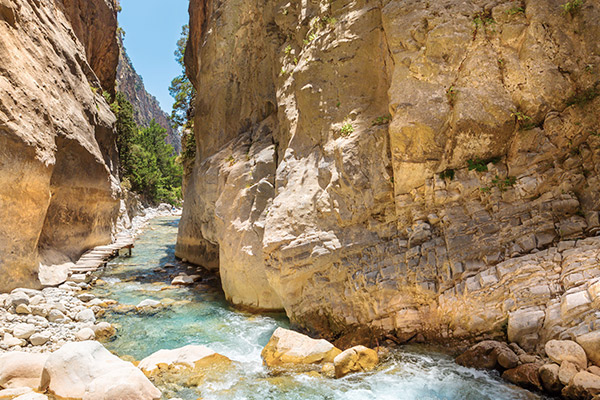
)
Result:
{"points": [[525, 375], [489, 354], [187, 355], [288, 348], [355, 359]]}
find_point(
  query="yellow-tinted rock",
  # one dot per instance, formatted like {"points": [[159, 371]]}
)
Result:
{"points": [[355, 359], [287, 348]]}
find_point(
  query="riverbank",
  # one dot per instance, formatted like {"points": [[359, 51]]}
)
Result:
{"points": [[149, 314]]}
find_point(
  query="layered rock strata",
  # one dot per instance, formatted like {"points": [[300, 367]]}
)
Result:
{"points": [[406, 166], [58, 160]]}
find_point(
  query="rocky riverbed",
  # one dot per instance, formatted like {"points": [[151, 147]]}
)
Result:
{"points": [[171, 321]]}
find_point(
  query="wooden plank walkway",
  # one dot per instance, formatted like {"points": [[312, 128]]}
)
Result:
{"points": [[98, 256]]}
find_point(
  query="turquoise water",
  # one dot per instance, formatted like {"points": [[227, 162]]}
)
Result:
{"points": [[200, 315]]}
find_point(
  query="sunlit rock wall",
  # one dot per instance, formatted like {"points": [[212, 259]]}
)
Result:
{"points": [[58, 160], [424, 155]]}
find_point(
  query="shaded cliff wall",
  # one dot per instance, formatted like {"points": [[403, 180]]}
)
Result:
{"points": [[58, 160], [398, 165], [146, 107]]}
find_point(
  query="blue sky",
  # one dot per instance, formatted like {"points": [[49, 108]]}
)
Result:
{"points": [[152, 28]]}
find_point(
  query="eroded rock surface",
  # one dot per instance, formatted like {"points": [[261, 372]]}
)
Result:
{"points": [[58, 160], [412, 167]]}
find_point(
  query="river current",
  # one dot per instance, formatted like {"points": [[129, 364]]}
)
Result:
{"points": [[201, 315]]}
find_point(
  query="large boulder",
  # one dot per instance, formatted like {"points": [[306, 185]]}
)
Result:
{"points": [[566, 350], [121, 384], [525, 375], [489, 354], [591, 344], [583, 386], [187, 355], [70, 372], [288, 348], [355, 359], [19, 369]]}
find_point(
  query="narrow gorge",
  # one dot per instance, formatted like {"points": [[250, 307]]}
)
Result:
{"points": [[375, 188]]}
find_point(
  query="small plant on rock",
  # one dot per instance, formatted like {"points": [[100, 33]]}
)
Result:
{"points": [[523, 120], [383, 120], [572, 7], [346, 129], [447, 174], [230, 160], [515, 10], [477, 164], [451, 93], [504, 183]]}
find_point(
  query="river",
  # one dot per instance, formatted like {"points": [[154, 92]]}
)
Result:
{"points": [[200, 315]]}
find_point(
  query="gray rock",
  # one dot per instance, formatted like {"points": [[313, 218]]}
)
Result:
{"points": [[149, 303], [17, 298], [86, 315], [86, 297], [39, 339]]}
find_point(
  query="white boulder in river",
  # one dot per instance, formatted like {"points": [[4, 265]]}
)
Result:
{"points": [[86, 370], [189, 355], [289, 348]]}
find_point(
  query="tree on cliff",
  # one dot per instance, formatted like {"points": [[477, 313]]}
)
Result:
{"points": [[181, 88]]}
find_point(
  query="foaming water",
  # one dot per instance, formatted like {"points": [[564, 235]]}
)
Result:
{"points": [[200, 315]]}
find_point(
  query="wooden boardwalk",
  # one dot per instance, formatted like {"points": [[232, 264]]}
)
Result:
{"points": [[98, 256]]}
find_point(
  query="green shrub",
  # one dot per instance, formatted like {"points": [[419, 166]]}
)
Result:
{"points": [[447, 174], [347, 129], [572, 7], [383, 120]]}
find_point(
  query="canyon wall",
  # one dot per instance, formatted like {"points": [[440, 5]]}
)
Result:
{"points": [[145, 106], [407, 167], [59, 188]]}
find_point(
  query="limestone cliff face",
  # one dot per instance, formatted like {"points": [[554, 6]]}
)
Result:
{"points": [[146, 107], [58, 160], [405, 166]]}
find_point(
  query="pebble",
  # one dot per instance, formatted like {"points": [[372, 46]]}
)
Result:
{"points": [[85, 334], [38, 339], [23, 309]]}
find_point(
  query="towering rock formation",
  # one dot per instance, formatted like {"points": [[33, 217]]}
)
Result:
{"points": [[146, 107], [407, 166], [59, 192]]}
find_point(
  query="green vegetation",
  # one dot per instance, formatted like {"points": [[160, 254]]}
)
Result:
{"points": [[477, 165], [184, 93], [181, 88], [312, 36], [148, 165], [383, 120], [586, 96], [515, 10], [501, 183], [347, 129], [484, 21], [504, 183], [230, 160], [447, 174], [522, 120], [572, 7], [288, 49], [451, 93]]}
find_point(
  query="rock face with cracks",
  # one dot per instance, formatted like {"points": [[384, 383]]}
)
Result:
{"points": [[409, 167], [58, 160]]}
